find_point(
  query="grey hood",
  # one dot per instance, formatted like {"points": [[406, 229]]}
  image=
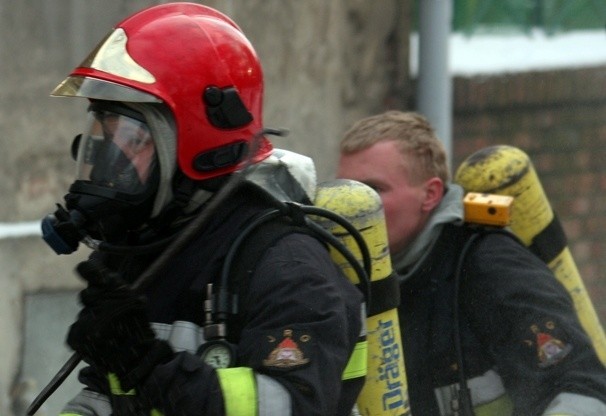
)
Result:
{"points": [[450, 210]]}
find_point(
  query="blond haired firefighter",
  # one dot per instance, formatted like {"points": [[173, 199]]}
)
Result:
{"points": [[487, 329]]}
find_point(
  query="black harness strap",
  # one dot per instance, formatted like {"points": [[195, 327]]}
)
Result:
{"points": [[385, 294], [248, 255], [550, 241]]}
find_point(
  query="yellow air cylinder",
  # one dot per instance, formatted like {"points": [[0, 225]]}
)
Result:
{"points": [[507, 170], [385, 391]]}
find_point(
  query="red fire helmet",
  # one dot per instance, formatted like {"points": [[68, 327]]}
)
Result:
{"points": [[196, 61]]}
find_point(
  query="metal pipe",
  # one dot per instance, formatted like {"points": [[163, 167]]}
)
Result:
{"points": [[434, 84]]}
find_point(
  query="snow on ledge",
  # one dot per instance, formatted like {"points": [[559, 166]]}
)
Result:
{"points": [[484, 54], [20, 229]]}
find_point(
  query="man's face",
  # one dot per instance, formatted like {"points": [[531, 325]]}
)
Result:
{"points": [[135, 141], [383, 168]]}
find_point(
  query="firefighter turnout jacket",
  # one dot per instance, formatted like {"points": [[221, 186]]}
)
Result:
{"points": [[298, 323], [523, 349]]}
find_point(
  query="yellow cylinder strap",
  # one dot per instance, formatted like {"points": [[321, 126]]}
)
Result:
{"points": [[239, 391], [356, 367]]}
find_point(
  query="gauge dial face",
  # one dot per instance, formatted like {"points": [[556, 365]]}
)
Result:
{"points": [[217, 355]]}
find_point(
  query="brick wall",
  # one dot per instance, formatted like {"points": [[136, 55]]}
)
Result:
{"points": [[559, 119]]}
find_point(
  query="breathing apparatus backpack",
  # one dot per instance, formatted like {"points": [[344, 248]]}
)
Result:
{"points": [[508, 171], [386, 389], [348, 217]]}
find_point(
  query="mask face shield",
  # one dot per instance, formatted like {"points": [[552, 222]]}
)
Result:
{"points": [[116, 155], [117, 179]]}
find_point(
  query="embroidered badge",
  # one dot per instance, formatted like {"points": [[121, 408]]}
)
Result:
{"points": [[550, 350], [287, 353]]}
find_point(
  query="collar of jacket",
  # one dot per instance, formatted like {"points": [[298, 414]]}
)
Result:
{"points": [[450, 210]]}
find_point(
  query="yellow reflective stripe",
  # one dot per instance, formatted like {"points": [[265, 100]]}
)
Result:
{"points": [[70, 414], [239, 391], [115, 388], [502, 406], [357, 365]]}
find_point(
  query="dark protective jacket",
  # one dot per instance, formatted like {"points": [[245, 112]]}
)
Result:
{"points": [[522, 343], [296, 295]]}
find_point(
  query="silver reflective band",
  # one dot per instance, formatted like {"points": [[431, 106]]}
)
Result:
{"points": [[273, 397], [574, 405], [87, 403], [181, 335], [484, 389]]}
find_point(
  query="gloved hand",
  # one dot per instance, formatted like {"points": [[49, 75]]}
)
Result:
{"points": [[112, 331]]}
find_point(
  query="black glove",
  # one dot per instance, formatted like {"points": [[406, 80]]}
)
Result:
{"points": [[112, 331]]}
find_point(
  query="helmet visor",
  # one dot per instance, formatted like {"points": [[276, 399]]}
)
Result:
{"points": [[80, 86], [117, 152]]}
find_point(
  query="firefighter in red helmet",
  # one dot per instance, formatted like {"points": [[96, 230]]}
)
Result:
{"points": [[175, 97]]}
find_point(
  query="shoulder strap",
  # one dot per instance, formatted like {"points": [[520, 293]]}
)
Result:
{"points": [[250, 252], [459, 236], [474, 234], [257, 243], [438, 265]]}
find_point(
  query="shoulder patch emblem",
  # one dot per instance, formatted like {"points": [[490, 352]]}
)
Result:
{"points": [[550, 350], [286, 354]]}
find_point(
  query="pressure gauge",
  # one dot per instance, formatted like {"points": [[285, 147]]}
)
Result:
{"points": [[218, 353]]}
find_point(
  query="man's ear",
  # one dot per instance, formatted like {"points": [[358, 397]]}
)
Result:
{"points": [[434, 191]]}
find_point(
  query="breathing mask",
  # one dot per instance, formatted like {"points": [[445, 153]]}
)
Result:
{"points": [[117, 176]]}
